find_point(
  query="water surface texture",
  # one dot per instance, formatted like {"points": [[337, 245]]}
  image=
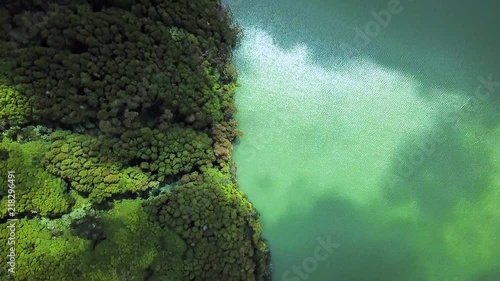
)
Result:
{"points": [[375, 155]]}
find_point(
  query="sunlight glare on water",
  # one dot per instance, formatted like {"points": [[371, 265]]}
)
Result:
{"points": [[325, 133]]}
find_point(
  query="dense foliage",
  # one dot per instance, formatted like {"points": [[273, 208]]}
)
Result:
{"points": [[123, 246], [117, 117], [219, 225]]}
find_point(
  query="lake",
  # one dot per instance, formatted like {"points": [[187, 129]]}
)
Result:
{"points": [[371, 141]]}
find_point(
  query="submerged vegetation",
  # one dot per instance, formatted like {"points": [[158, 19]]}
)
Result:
{"points": [[117, 118]]}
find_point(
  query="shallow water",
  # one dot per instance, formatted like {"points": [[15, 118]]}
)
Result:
{"points": [[381, 148]]}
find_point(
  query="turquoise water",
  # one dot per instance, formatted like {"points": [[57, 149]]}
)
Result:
{"points": [[372, 157]]}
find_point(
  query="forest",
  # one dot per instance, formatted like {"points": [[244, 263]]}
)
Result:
{"points": [[117, 127]]}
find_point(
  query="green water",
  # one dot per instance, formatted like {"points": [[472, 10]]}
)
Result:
{"points": [[387, 153]]}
